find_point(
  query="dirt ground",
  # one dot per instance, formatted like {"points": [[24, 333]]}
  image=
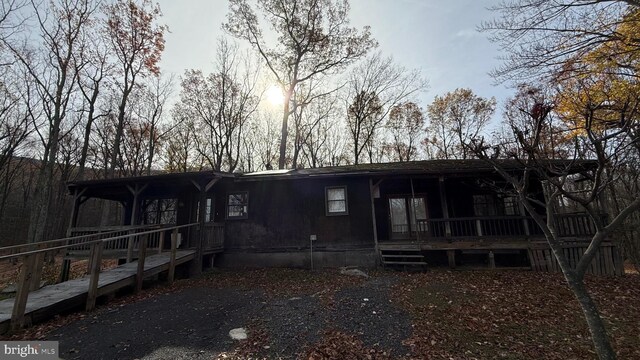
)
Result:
{"points": [[324, 315]]}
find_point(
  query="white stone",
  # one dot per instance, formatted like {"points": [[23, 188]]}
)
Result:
{"points": [[353, 272], [238, 334]]}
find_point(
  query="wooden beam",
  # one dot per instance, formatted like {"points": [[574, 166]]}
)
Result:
{"points": [[197, 185], [210, 184], [96, 264]]}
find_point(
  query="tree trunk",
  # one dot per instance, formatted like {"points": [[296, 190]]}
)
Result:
{"points": [[284, 134], [594, 321]]}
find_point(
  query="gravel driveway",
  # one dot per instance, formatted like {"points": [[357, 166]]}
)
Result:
{"points": [[194, 323]]}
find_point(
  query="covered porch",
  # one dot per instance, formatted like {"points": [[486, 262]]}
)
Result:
{"points": [[153, 202], [468, 221]]}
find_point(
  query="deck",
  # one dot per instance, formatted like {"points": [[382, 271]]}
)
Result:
{"points": [[54, 299]]}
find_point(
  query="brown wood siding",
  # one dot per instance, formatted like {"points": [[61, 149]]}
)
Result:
{"points": [[284, 213]]}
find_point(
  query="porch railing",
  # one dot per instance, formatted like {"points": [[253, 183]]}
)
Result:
{"points": [[213, 237], [567, 225]]}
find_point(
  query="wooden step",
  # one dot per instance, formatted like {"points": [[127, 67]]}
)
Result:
{"points": [[401, 256], [405, 263]]}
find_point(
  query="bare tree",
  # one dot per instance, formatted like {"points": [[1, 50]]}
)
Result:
{"points": [[52, 69], [137, 42], [374, 87], [455, 119], [540, 36], [94, 70], [314, 39], [581, 182], [220, 105], [405, 125]]}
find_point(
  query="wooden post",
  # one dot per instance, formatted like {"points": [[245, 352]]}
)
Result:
{"points": [[372, 187], [451, 255], [142, 249], [479, 227], [525, 220], [22, 293], [37, 270], [161, 242], [130, 241], [445, 207], [96, 264], [135, 209], [492, 260], [172, 261]]}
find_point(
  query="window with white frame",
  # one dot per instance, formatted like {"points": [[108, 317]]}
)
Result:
{"points": [[238, 205], [336, 200]]}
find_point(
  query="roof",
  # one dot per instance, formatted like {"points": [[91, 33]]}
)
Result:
{"points": [[424, 167], [167, 184]]}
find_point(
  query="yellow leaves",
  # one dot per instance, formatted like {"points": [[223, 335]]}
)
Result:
{"points": [[602, 89]]}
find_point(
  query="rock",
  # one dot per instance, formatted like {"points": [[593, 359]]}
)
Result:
{"points": [[295, 298], [238, 334], [353, 272]]}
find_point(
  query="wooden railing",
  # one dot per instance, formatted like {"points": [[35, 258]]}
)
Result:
{"points": [[213, 237], [32, 260], [124, 247], [567, 225]]}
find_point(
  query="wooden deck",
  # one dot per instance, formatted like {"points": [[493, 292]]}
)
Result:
{"points": [[51, 300]]}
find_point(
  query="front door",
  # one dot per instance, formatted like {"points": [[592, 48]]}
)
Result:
{"points": [[408, 216]]}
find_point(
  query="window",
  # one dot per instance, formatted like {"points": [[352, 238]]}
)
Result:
{"points": [[408, 216], [484, 205], [208, 210], [336, 200], [511, 206], [238, 205]]}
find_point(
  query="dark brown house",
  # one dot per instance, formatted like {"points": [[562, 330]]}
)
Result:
{"points": [[453, 213]]}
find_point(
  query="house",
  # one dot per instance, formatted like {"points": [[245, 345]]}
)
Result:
{"points": [[453, 213]]}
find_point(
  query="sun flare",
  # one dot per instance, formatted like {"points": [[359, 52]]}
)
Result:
{"points": [[275, 96]]}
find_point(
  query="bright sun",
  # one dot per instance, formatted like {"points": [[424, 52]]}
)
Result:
{"points": [[275, 96]]}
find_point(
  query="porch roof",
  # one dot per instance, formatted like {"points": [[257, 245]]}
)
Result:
{"points": [[424, 167], [165, 185]]}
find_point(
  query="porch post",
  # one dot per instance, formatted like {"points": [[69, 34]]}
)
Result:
{"points": [[135, 209], [203, 189], [73, 222], [445, 207], [373, 213], [414, 221], [525, 220]]}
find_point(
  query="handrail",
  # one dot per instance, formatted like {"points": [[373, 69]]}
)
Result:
{"points": [[41, 243], [32, 252]]}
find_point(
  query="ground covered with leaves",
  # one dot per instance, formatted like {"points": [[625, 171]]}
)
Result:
{"points": [[326, 315]]}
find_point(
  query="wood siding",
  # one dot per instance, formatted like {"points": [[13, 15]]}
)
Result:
{"points": [[283, 214]]}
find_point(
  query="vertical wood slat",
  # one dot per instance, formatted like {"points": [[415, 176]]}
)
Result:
{"points": [[22, 292], [172, 260], [531, 261], [96, 262], [142, 249], [608, 260], [619, 265]]}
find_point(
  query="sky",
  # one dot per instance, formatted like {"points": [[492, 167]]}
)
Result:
{"points": [[438, 37]]}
